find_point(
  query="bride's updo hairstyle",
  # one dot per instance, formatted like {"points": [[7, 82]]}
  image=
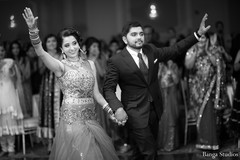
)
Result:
{"points": [[66, 32]]}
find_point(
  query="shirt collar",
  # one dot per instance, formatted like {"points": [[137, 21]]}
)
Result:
{"points": [[132, 52]]}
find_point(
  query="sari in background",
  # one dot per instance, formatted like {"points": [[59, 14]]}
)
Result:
{"points": [[168, 134], [207, 93]]}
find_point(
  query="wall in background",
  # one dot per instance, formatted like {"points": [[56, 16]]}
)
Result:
{"points": [[105, 18]]}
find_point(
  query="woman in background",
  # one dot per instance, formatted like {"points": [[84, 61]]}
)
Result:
{"points": [[50, 95], [168, 134], [10, 110], [19, 55], [235, 114], [37, 69], [207, 91]]}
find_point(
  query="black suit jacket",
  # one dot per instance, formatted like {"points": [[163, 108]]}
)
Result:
{"points": [[136, 91]]}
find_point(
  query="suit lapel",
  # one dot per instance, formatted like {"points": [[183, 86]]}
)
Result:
{"points": [[131, 63], [150, 64]]}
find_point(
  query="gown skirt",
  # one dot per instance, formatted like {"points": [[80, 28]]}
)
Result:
{"points": [[80, 137]]}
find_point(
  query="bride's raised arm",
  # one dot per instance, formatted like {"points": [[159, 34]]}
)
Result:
{"points": [[53, 64]]}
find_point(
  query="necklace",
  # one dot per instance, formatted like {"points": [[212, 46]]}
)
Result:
{"points": [[77, 63], [73, 60]]}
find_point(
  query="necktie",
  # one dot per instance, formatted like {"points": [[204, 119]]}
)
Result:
{"points": [[143, 66]]}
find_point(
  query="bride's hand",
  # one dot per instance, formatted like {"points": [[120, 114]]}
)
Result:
{"points": [[113, 118], [30, 19]]}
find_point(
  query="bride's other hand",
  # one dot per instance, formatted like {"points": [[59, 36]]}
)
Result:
{"points": [[31, 21]]}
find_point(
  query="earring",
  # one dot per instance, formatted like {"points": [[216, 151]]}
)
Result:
{"points": [[82, 54], [64, 56]]}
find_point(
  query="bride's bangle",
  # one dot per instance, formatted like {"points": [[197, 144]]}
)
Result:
{"points": [[33, 30], [107, 108], [105, 105], [34, 36]]}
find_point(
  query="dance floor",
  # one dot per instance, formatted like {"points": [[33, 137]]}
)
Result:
{"points": [[188, 152]]}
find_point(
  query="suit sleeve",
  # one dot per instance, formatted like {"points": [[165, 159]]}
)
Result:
{"points": [[110, 84], [177, 50]]}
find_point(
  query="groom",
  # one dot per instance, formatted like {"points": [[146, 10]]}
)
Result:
{"points": [[135, 70]]}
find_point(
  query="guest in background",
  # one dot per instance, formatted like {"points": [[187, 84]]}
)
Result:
{"points": [[168, 134], [151, 36], [235, 114], [219, 26], [37, 69], [17, 53], [10, 110], [207, 91], [50, 95], [172, 36], [105, 51], [113, 46]]}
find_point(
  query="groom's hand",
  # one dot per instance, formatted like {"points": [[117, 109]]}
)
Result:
{"points": [[121, 116]]}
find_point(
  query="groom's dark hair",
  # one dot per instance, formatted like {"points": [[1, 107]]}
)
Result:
{"points": [[129, 25]]}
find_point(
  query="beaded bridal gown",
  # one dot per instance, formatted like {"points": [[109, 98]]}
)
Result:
{"points": [[79, 136]]}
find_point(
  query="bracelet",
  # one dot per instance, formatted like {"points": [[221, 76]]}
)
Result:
{"points": [[33, 30], [105, 105], [35, 40], [198, 35], [33, 36], [107, 108]]}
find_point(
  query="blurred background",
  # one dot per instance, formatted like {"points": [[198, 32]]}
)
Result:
{"points": [[105, 18], [100, 22]]}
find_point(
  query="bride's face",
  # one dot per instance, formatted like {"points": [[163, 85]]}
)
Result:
{"points": [[2, 52], [70, 47]]}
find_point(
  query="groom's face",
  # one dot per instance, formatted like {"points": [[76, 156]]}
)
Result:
{"points": [[134, 38]]}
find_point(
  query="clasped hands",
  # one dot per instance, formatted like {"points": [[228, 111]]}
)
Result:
{"points": [[120, 117]]}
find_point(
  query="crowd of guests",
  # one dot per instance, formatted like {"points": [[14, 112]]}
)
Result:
{"points": [[210, 69]]}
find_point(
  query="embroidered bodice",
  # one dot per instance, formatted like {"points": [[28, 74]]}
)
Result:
{"points": [[77, 86], [77, 82]]}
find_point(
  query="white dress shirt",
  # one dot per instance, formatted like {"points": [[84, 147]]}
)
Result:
{"points": [[134, 55]]}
